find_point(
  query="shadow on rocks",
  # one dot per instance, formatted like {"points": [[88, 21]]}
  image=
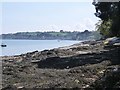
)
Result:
{"points": [[112, 54]]}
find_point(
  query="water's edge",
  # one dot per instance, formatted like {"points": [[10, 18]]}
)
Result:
{"points": [[17, 47]]}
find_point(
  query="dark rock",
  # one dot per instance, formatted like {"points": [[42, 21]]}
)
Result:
{"points": [[65, 67]]}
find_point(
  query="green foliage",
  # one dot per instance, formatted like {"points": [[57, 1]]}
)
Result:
{"points": [[109, 13], [64, 35], [104, 27], [96, 35], [58, 33]]}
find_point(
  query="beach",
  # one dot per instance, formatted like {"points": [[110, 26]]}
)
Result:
{"points": [[89, 64]]}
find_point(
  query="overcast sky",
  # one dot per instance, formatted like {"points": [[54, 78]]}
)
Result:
{"points": [[47, 16]]}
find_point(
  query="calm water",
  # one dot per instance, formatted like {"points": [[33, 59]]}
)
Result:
{"points": [[16, 47]]}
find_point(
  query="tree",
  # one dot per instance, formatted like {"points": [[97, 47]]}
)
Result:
{"points": [[109, 13], [61, 31]]}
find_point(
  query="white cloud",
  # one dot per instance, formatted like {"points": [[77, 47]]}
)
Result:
{"points": [[90, 24], [85, 24]]}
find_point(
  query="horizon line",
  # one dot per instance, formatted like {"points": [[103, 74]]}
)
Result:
{"points": [[42, 31]]}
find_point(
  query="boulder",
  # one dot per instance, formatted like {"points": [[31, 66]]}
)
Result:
{"points": [[111, 41]]}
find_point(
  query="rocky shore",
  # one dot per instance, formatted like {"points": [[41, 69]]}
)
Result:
{"points": [[90, 64]]}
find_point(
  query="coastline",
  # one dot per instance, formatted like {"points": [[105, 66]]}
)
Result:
{"points": [[82, 65], [17, 47]]}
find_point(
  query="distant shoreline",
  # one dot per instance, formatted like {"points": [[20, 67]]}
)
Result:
{"points": [[42, 39], [62, 35]]}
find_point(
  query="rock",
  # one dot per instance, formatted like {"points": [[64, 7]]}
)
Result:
{"points": [[116, 44], [67, 67], [86, 86], [9, 87], [83, 65], [77, 81], [101, 72], [110, 79], [111, 41], [82, 75]]}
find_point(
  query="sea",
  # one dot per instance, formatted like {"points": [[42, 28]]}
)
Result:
{"points": [[17, 47]]}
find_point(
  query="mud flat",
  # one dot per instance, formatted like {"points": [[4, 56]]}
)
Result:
{"points": [[89, 64]]}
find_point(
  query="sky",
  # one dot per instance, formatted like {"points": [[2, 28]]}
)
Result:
{"points": [[47, 16]]}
